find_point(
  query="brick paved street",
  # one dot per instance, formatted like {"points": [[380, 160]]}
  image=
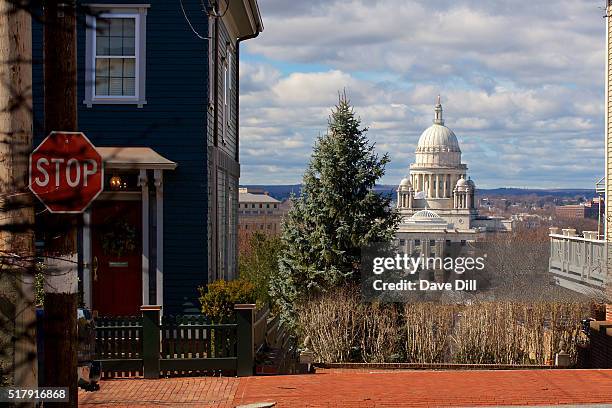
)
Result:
{"points": [[364, 388]]}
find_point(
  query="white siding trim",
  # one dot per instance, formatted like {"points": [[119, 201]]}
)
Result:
{"points": [[144, 185], [159, 273]]}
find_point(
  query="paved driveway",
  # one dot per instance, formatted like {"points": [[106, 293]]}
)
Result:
{"points": [[363, 388]]}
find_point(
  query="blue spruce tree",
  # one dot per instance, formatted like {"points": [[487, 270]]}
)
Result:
{"points": [[337, 214]]}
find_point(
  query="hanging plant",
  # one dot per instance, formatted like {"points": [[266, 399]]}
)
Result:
{"points": [[120, 239]]}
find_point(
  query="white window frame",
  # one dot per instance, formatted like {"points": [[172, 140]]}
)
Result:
{"points": [[230, 60], [227, 93], [225, 101], [136, 56], [137, 12]]}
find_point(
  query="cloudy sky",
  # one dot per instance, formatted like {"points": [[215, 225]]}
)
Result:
{"points": [[522, 84]]}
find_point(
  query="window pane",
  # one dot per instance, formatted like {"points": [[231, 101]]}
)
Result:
{"points": [[115, 46], [116, 27], [102, 45], [102, 67], [129, 86], [115, 67], [116, 87], [101, 85], [129, 46], [129, 68], [102, 27], [128, 27]]}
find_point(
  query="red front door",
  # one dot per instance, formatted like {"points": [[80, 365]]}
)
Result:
{"points": [[116, 257]]}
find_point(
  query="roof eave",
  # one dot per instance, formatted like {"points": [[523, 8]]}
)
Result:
{"points": [[140, 165], [248, 19]]}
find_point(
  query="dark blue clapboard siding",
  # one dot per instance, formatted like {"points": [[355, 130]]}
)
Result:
{"points": [[173, 122]]}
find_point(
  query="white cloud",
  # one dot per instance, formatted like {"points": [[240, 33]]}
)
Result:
{"points": [[522, 84]]}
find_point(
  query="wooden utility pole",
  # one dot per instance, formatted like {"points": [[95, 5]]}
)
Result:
{"points": [[17, 322], [60, 93]]}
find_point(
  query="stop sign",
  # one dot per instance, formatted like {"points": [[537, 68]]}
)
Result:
{"points": [[66, 172]]}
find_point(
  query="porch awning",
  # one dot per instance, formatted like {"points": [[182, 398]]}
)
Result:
{"points": [[134, 158]]}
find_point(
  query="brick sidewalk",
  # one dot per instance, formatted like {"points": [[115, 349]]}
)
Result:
{"points": [[361, 388]]}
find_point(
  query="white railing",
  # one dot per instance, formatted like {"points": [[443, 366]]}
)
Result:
{"points": [[578, 263]]}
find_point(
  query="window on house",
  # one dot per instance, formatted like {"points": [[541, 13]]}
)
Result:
{"points": [[228, 99], [417, 242], [225, 102], [115, 56], [227, 93], [432, 242]]}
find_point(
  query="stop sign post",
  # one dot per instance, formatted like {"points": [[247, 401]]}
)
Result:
{"points": [[66, 172]]}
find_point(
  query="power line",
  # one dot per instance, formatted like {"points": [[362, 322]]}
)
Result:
{"points": [[208, 14], [201, 37]]}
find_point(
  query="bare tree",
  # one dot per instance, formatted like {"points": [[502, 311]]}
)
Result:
{"points": [[517, 266]]}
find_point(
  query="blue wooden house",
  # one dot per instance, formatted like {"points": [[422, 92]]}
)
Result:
{"points": [[158, 94]]}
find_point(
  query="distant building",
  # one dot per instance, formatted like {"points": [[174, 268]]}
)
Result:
{"points": [[573, 211], [580, 211], [259, 212], [436, 200], [529, 220]]}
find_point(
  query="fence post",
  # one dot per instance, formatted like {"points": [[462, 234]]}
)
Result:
{"points": [[150, 340], [245, 347]]}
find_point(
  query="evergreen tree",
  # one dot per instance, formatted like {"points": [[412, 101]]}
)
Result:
{"points": [[337, 214]]}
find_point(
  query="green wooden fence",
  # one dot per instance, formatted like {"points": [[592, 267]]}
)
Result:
{"points": [[152, 345]]}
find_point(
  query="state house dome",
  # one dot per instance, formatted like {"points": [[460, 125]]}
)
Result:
{"points": [[438, 145]]}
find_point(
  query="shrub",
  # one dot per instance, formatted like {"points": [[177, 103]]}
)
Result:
{"points": [[219, 298], [258, 260], [332, 325], [342, 329], [427, 332], [380, 337]]}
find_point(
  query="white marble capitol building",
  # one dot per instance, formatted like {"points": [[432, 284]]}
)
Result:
{"points": [[436, 200]]}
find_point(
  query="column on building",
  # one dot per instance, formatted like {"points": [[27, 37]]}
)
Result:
{"points": [[405, 194], [444, 180]]}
